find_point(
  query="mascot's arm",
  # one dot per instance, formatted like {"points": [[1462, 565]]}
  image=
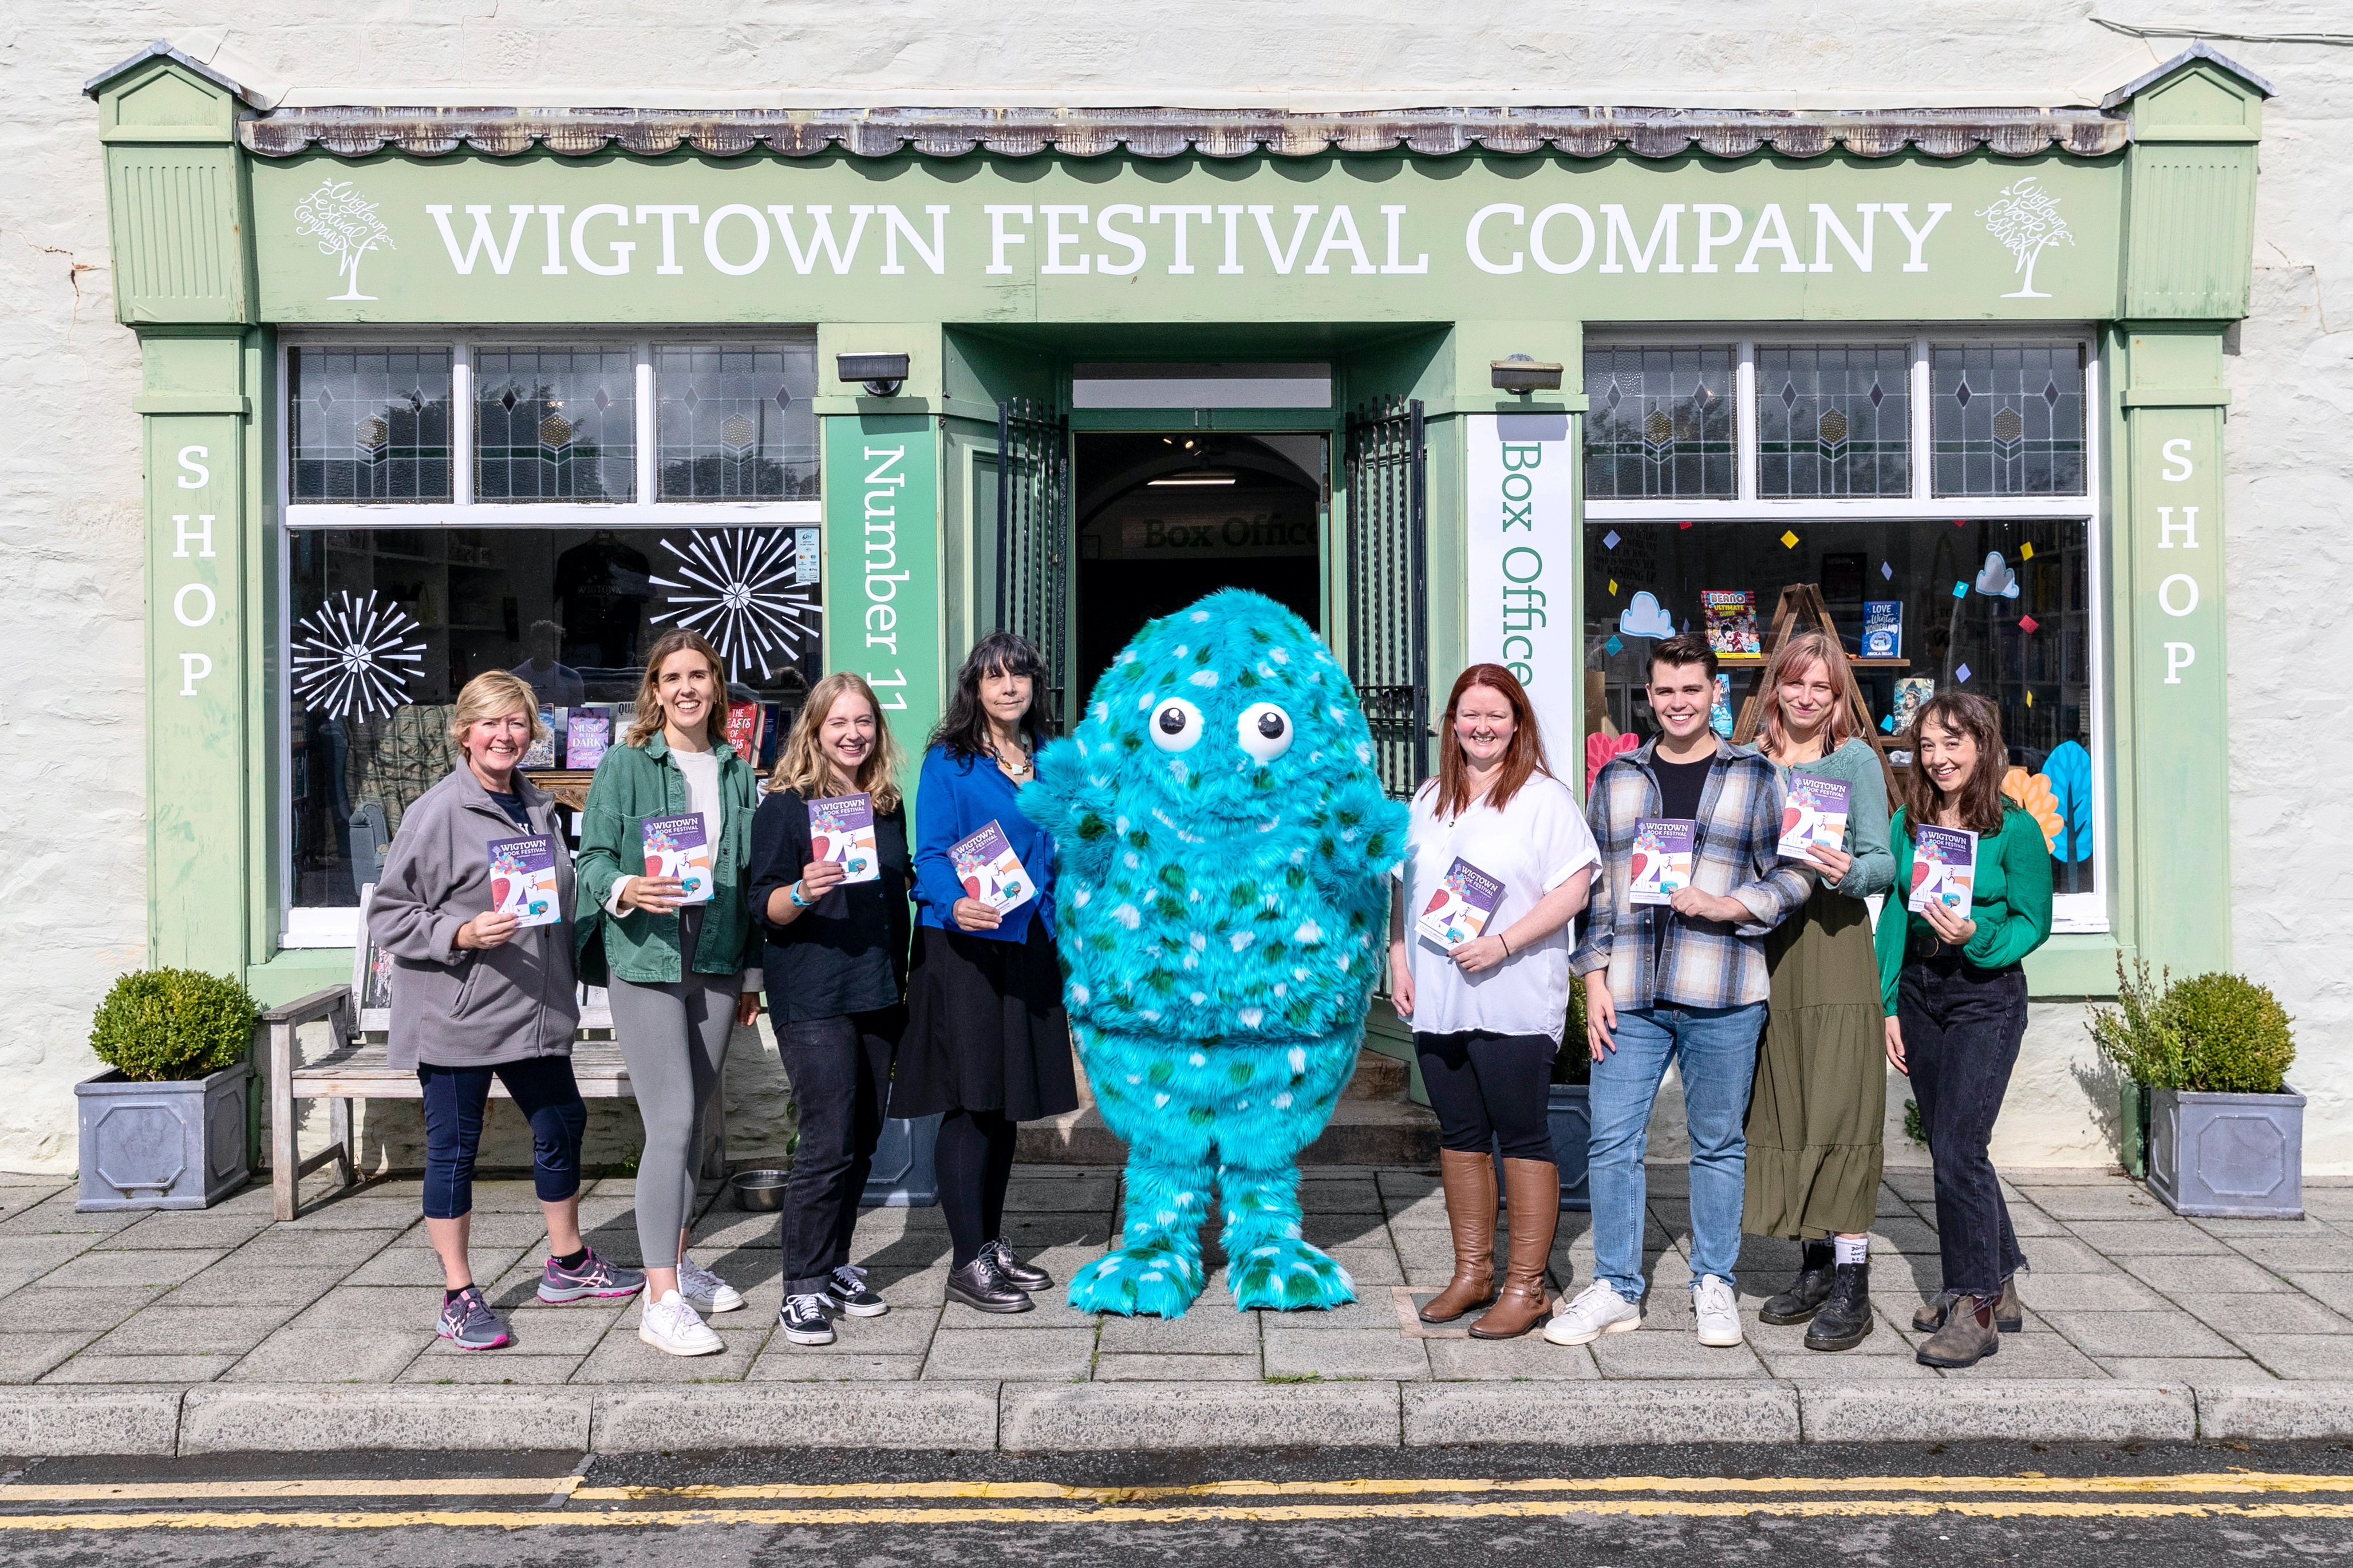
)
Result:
{"points": [[1365, 832], [1065, 802]]}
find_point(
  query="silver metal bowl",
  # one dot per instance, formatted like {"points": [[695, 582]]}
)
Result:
{"points": [[761, 1191]]}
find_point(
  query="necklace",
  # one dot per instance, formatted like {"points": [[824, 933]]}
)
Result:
{"points": [[1019, 766]]}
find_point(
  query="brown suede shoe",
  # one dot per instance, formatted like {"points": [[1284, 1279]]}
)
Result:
{"points": [[1967, 1336], [1532, 1193], [2009, 1313], [1470, 1183]]}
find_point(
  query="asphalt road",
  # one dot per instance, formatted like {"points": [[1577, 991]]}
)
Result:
{"points": [[2081, 1506]]}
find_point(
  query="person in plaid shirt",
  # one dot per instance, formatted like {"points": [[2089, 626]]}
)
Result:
{"points": [[1682, 982]]}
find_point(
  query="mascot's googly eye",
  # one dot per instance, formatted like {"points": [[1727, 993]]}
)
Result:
{"points": [[1265, 731], [1174, 724]]}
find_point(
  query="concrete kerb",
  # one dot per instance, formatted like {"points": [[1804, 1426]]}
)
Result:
{"points": [[1048, 1418], [228, 1418], [50, 1422], [635, 1420], [1951, 1409], [2275, 1411]]}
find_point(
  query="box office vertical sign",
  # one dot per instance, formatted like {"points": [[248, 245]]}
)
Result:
{"points": [[883, 611], [1519, 566]]}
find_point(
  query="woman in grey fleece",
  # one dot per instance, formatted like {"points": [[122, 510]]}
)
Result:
{"points": [[476, 993]]}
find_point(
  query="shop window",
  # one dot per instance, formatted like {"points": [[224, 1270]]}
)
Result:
{"points": [[1835, 421], [2008, 419], [735, 422], [555, 424], [1661, 423], [368, 423]]}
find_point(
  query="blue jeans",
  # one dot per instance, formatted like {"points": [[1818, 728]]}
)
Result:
{"points": [[1717, 1047]]}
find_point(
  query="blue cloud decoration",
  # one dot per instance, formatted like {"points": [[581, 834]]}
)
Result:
{"points": [[1645, 617]]}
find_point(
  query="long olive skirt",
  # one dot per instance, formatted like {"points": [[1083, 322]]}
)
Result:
{"points": [[1820, 1096]]}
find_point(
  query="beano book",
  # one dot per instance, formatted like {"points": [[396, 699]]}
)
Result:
{"points": [[990, 871], [1731, 615], [677, 846], [1944, 868], [1663, 860], [1814, 815], [841, 829], [541, 754], [1882, 628], [1462, 907], [523, 879], [588, 737]]}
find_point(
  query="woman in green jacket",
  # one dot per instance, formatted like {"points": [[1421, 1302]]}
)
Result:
{"points": [[670, 946], [1955, 998]]}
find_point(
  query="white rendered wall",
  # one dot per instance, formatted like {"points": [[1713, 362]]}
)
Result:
{"points": [[74, 915]]}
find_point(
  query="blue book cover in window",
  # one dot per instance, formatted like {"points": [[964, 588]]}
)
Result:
{"points": [[1882, 628]]}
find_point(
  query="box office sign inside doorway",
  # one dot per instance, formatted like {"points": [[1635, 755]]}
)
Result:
{"points": [[1522, 614]]}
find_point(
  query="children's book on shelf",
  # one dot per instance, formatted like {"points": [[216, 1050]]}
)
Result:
{"points": [[743, 730], [1912, 694], [1944, 868], [588, 737], [841, 830], [1882, 628], [1814, 815], [1731, 615], [1663, 858], [677, 846], [523, 879], [1464, 903], [990, 871], [542, 751], [1719, 712]]}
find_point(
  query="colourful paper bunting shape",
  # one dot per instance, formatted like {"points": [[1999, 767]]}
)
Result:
{"points": [[2028, 624]]}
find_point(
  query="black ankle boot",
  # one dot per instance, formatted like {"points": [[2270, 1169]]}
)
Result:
{"points": [[1807, 1293], [979, 1286], [1844, 1321]]}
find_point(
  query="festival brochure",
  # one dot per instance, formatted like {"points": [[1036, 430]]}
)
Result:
{"points": [[990, 871], [1731, 616], [523, 879], [1944, 868], [541, 752], [841, 829], [677, 846], [1814, 815], [1882, 628], [588, 737], [1460, 910], [1663, 858]]}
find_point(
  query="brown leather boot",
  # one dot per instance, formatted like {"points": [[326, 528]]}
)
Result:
{"points": [[1967, 1336], [1470, 1183], [1532, 1193]]}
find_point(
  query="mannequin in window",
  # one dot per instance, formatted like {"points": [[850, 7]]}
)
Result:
{"points": [[603, 586], [556, 684]]}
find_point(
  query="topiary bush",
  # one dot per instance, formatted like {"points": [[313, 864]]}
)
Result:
{"points": [[2234, 1035], [167, 1024]]}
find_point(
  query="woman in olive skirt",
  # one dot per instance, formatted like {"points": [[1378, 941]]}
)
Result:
{"points": [[988, 1043], [1820, 1096]]}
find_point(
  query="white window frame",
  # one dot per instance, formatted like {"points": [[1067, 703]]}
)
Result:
{"points": [[2080, 912], [309, 926]]}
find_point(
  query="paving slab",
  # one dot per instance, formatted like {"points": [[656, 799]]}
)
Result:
{"points": [[372, 1307], [1672, 1355], [2031, 1354], [1152, 1368], [1147, 1415], [1954, 1409], [2197, 1373], [2301, 1356], [2330, 1252], [95, 1271], [2168, 1333], [1331, 1353], [157, 1370], [1530, 1358], [2271, 1312], [794, 1415], [174, 1330], [171, 1229], [622, 1357], [567, 1331], [229, 1285], [25, 1357], [334, 1356], [786, 1362], [41, 1309], [2055, 1292], [222, 1419], [2177, 1276], [2119, 1201], [2148, 1238], [509, 1365], [53, 1422], [1211, 1326], [55, 1215], [1030, 1355]]}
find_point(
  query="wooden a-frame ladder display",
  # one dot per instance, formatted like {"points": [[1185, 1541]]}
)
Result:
{"points": [[1804, 601]]}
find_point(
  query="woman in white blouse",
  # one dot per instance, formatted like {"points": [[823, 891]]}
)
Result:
{"points": [[1487, 1013]]}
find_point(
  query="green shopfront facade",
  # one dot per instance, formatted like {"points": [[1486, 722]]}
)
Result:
{"points": [[432, 392]]}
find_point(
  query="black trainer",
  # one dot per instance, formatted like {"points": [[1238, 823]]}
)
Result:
{"points": [[1807, 1292], [804, 1322], [849, 1293], [1843, 1322], [979, 1286], [1028, 1276]]}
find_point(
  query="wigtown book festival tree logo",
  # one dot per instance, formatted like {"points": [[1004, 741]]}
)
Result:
{"points": [[346, 227], [2025, 218]]}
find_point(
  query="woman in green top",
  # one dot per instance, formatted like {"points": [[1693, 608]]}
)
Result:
{"points": [[1820, 1094], [1955, 999]]}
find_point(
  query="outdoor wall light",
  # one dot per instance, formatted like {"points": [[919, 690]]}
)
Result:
{"points": [[883, 374], [1522, 375]]}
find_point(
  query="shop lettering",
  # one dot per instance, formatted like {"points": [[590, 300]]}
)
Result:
{"points": [[883, 482], [1624, 247], [1234, 533], [194, 605], [2177, 595]]}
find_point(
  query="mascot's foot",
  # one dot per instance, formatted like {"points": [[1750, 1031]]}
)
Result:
{"points": [[1285, 1273], [1154, 1280]]}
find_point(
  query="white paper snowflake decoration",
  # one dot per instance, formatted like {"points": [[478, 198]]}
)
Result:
{"points": [[741, 589], [354, 658]]}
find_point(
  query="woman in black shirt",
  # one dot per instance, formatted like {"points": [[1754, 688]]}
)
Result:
{"points": [[837, 976]]}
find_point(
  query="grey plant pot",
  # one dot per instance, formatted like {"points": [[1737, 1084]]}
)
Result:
{"points": [[2227, 1156], [177, 1145], [1568, 1108], [905, 1175]]}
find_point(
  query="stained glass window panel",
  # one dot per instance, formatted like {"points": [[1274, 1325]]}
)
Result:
{"points": [[2008, 419], [1660, 423], [556, 425], [368, 423], [1835, 421], [735, 421]]}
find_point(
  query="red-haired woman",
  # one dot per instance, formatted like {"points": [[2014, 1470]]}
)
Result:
{"points": [[1820, 1093], [1487, 1012]]}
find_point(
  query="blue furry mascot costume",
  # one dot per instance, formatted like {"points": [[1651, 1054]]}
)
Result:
{"points": [[1222, 914]]}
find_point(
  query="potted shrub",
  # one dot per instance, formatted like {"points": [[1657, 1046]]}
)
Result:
{"points": [[2225, 1134], [164, 1128], [2145, 1051]]}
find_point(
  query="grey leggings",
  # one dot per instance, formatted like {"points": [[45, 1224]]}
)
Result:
{"points": [[674, 1039]]}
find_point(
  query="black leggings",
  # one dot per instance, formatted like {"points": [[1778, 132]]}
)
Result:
{"points": [[974, 1161], [1487, 1086]]}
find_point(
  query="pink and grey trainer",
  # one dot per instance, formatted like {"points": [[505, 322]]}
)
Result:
{"points": [[468, 1322], [596, 1279]]}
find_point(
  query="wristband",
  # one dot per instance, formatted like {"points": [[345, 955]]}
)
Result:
{"points": [[1505, 939], [799, 902]]}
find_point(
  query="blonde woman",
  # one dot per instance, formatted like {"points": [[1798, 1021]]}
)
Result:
{"points": [[1820, 1093], [836, 953], [476, 994], [675, 969]]}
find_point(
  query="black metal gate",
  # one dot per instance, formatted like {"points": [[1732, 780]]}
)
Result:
{"points": [[1033, 537], [1388, 586]]}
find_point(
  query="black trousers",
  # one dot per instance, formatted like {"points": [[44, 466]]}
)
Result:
{"points": [[1962, 1026], [840, 1072], [1486, 1086]]}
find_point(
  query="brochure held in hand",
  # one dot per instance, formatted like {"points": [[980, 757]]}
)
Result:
{"points": [[523, 879], [1944, 868], [991, 872], [1460, 910], [677, 846], [1814, 815], [1663, 858], [841, 830]]}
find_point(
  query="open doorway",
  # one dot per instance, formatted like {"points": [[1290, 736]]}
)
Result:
{"points": [[1163, 519]]}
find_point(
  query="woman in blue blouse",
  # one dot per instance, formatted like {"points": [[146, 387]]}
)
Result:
{"points": [[987, 1043]]}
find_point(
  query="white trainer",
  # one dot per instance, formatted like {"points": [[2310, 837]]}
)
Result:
{"points": [[670, 1324], [1597, 1310], [1718, 1312], [705, 1292]]}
